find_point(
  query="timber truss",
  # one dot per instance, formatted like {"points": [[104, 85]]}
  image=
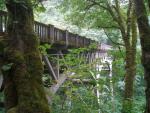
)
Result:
{"points": [[61, 41]]}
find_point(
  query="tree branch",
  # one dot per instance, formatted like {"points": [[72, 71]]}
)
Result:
{"points": [[130, 8], [116, 43], [108, 27], [94, 3]]}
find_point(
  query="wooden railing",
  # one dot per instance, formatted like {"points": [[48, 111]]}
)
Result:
{"points": [[51, 34]]}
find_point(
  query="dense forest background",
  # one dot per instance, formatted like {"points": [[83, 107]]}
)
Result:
{"points": [[54, 14], [122, 25]]}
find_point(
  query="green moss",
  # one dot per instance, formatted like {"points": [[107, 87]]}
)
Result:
{"points": [[13, 55]]}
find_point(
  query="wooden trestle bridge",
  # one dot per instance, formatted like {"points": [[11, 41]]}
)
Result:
{"points": [[61, 41]]}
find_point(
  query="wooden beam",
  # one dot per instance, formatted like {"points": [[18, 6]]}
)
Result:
{"points": [[50, 68], [54, 88]]}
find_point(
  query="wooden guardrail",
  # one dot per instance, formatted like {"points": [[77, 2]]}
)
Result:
{"points": [[51, 34]]}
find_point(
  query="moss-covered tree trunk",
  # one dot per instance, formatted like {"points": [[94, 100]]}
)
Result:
{"points": [[130, 73], [129, 82], [144, 30], [128, 31], [24, 91], [130, 66]]}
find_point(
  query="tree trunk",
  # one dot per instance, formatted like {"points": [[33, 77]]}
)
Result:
{"points": [[130, 68], [129, 82], [144, 30], [24, 91]]}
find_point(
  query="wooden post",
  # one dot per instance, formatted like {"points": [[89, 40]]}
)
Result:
{"points": [[41, 32], [77, 39], [89, 41], [67, 42], [84, 42], [51, 33], [38, 30], [57, 34], [35, 27], [48, 32], [50, 68]]}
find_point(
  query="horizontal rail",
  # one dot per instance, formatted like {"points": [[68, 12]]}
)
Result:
{"points": [[51, 34]]}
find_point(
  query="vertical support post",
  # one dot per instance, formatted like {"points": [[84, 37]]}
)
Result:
{"points": [[84, 42], [41, 32], [58, 35], [88, 58], [77, 40], [89, 41], [67, 42], [38, 30], [51, 33], [48, 32]]}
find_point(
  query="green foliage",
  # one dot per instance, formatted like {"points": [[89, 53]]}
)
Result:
{"points": [[84, 14], [81, 98], [7, 67], [118, 81], [43, 48], [47, 80], [39, 7], [75, 99], [2, 4]]}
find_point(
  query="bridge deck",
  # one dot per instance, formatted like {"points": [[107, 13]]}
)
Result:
{"points": [[50, 34]]}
